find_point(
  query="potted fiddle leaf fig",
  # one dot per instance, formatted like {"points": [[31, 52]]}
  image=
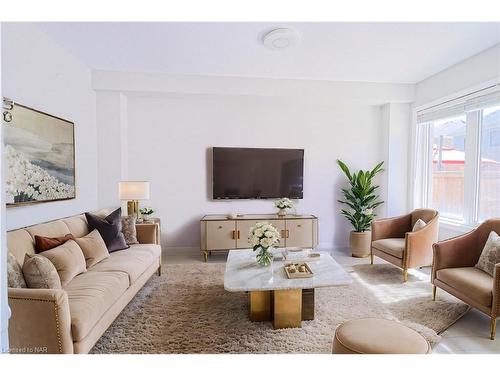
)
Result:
{"points": [[360, 200]]}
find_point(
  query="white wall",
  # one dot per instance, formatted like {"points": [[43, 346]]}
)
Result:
{"points": [[38, 73], [467, 74]]}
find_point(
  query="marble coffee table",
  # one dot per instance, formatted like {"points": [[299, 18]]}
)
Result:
{"points": [[274, 297]]}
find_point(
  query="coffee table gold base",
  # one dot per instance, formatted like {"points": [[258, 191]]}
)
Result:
{"points": [[285, 308]]}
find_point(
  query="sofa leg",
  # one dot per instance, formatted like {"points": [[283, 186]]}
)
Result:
{"points": [[371, 258], [434, 290], [159, 270], [405, 275], [493, 328]]}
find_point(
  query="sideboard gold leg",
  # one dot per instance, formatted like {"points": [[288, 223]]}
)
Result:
{"points": [[287, 308], [205, 256], [405, 275], [259, 303]]}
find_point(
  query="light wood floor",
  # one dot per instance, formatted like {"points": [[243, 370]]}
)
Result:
{"points": [[469, 335]]}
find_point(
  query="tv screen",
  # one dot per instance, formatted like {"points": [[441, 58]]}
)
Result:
{"points": [[258, 173]]}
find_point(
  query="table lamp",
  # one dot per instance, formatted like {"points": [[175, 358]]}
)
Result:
{"points": [[133, 191]]}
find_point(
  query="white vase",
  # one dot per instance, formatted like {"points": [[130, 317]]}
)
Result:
{"points": [[282, 212]]}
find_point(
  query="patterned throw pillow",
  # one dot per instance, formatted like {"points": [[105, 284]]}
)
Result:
{"points": [[128, 229], [40, 273], [15, 278], [490, 254], [419, 224]]}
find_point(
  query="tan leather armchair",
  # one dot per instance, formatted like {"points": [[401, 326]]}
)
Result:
{"points": [[453, 270], [394, 241]]}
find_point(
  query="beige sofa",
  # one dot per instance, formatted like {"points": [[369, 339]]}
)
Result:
{"points": [[72, 319]]}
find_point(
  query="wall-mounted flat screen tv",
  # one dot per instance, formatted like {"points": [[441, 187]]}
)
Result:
{"points": [[257, 173]]}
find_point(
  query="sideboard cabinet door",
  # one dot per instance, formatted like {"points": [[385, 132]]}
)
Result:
{"points": [[221, 235], [299, 233]]}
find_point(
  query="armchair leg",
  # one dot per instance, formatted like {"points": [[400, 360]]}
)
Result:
{"points": [[493, 328], [434, 290], [405, 275]]}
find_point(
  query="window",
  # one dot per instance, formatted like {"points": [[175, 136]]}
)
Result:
{"points": [[457, 159]]}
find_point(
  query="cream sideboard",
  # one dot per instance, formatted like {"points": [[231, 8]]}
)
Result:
{"points": [[218, 232]]}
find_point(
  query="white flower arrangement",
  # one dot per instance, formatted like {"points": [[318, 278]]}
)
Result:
{"points": [[262, 236], [283, 203], [26, 181], [146, 211]]}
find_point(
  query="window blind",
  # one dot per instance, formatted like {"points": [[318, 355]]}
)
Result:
{"points": [[487, 97]]}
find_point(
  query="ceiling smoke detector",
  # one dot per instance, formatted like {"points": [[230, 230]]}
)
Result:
{"points": [[280, 39]]}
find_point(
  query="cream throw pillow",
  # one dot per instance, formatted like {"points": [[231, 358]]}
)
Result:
{"points": [[419, 224], [68, 259], [40, 273], [15, 278], [93, 247], [490, 254]]}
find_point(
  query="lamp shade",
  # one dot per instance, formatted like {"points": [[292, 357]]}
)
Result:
{"points": [[133, 190]]}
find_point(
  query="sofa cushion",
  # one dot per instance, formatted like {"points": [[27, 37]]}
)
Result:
{"points": [[56, 228], [77, 225], [90, 295], [68, 260], [133, 261], [93, 248], [392, 246], [20, 242], [471, 281]]}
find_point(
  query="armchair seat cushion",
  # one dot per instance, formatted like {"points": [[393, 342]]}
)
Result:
{"points": [[471, 281], [392, 246]]}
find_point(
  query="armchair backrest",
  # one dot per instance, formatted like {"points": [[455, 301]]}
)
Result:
{"points": [[426, 214]]}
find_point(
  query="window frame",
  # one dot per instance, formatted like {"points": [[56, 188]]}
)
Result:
{"points": [[421, 170]]}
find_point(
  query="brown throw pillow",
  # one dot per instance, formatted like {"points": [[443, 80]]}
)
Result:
{"points": [[110, 229], [68, 259], [93, 247], [40, 273], [15, 278], [128, 229], [47, 243]]}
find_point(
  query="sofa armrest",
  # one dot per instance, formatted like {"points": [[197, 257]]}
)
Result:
{"points": [[460, 251], [147, 233], [394, 227], [40, 321], [419, 244]]}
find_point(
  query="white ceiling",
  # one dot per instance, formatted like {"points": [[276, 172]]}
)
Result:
{"points": [[369, 52]]}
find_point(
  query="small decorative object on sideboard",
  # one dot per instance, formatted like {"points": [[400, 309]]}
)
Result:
{"points": [[282, 204], [360, 200], [262, 237], [146, 213]]}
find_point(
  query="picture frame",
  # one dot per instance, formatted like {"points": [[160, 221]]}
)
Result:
{"points": [[39, 152]]}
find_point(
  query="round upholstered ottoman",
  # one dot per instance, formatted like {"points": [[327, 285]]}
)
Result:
{"points": [[378, 336]]}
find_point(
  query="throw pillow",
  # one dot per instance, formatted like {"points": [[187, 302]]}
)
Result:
{"points": [[490, 254], [15, 278], [47, 243], [419, 224], [110, 229], [40, 273], [93, 247], [68, 259], [128, 229]]}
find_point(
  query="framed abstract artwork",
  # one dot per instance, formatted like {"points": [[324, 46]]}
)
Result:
{"points": [[39, 152]]}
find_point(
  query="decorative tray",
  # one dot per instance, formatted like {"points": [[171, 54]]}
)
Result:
{"points": [[297, 271]]}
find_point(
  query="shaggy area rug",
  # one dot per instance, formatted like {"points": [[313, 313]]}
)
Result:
{"points": [[187, 310]]}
